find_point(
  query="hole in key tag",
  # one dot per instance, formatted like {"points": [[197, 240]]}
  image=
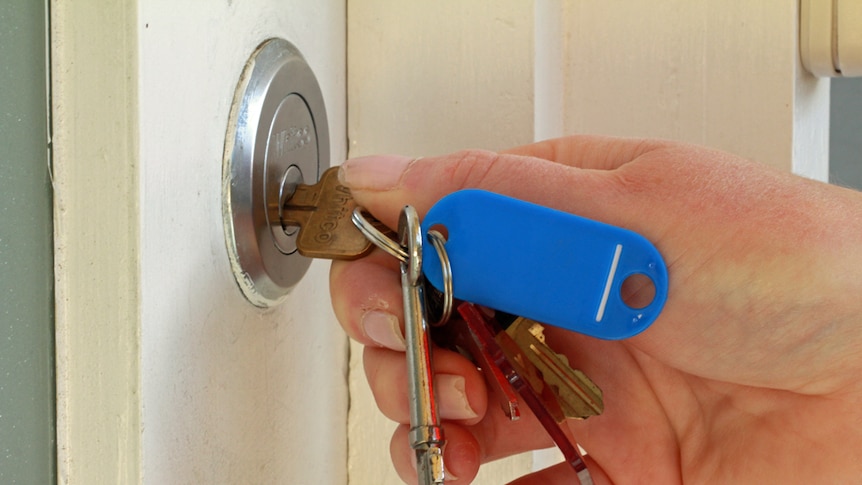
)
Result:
{"points": [[547, 265]]}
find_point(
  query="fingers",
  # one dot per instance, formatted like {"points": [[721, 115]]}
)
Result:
{"points": [[590, 152], [580, 183], [460, 388], [636, 390], [462, 398], [563, 474], [466, 449], [366, 298], [461, 455], [384, 185], [365, 293]]}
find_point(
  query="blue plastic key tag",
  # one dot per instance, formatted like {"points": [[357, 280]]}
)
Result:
{"points": [[543, 264]]}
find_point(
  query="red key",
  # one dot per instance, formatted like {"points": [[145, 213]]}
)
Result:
{"points": [[506, 368]]}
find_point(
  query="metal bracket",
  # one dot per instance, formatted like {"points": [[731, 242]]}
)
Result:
{"points": [[277, 137]]}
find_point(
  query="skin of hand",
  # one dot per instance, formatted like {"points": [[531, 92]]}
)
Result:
{"points": [[749, 375]]}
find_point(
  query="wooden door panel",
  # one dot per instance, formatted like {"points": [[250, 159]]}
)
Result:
{"points": [[167, 375]]}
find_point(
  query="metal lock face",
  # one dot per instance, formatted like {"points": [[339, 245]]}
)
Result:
{"points": [[277, 138]]}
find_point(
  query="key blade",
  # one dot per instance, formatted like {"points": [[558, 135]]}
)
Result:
{"points": [[578, 395], [530, 376], [323, 213], [474, 337], [542, 408]]}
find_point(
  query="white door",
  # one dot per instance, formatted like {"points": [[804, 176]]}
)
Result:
{"points": [[166, 374]]}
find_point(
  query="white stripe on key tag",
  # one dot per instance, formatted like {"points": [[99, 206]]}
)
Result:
{"points": [[547, 265]]}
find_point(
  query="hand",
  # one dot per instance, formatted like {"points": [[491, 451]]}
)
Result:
{"points": [[750, 374]]}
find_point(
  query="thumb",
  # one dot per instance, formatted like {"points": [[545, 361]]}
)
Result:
{"points": [[384, 184]]}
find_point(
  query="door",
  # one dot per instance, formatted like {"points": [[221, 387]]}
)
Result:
{"points": [[166, 374]]}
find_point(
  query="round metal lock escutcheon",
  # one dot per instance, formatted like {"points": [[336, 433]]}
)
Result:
{"points": [[277, 137]]}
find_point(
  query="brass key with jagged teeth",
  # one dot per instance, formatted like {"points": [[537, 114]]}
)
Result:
{"points": [[578, 395], [323, 214], [501, 353]]}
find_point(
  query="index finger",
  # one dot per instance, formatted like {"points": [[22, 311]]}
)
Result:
{"points": [[384, 184], [589, 151]]}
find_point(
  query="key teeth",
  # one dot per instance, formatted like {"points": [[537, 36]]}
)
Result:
{"points": [[538, 331], [578, 396], [538, 396], [587, 395], [565, 360], [323, 214]]}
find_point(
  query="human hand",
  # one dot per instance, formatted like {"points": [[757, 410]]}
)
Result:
{"points": [[753, 365]]}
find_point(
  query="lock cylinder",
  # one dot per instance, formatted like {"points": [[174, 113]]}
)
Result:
{"points": [[277, 138]]}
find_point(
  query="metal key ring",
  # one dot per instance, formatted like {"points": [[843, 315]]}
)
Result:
{"points": [[439, 242], [410, 233], [378, 238]]}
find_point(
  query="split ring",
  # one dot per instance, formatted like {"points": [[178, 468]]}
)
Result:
{"points": [[438, 241], [378, 238]]}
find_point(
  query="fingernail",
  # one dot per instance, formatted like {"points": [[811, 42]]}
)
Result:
{"points": [[383, 328], [453, 449], [452, 396], [377, 172]]}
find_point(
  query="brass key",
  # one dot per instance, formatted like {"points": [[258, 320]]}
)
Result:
{"points": [[323, 213], [578, 396], [504, 355]]}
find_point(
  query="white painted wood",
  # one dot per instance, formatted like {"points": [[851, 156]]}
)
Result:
{"points": [[166, 375], [97, 251], [232, 394], [428, 79], [432, 77], [550, 79], [720, 73]]}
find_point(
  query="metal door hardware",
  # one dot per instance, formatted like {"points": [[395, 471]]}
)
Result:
{"points": [[277, 138]]}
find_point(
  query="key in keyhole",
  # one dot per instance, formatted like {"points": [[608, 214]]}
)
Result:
{"points": [[322, 213], [289, 182]]}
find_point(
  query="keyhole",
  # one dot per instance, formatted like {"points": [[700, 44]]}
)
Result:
{"points": [[291, 179]]}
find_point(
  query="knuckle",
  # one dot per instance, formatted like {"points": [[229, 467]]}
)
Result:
{"points": [[472, 168]]}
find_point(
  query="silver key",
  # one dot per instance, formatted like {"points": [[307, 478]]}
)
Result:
{"points": [[426, 435]]}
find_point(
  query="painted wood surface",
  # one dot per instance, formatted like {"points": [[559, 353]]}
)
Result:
{"points": [[97, 250], [429, 78], [720, 73], [166, 374]]}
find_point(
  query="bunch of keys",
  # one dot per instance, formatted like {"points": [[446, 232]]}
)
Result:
{"points": [[503, 254]]}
